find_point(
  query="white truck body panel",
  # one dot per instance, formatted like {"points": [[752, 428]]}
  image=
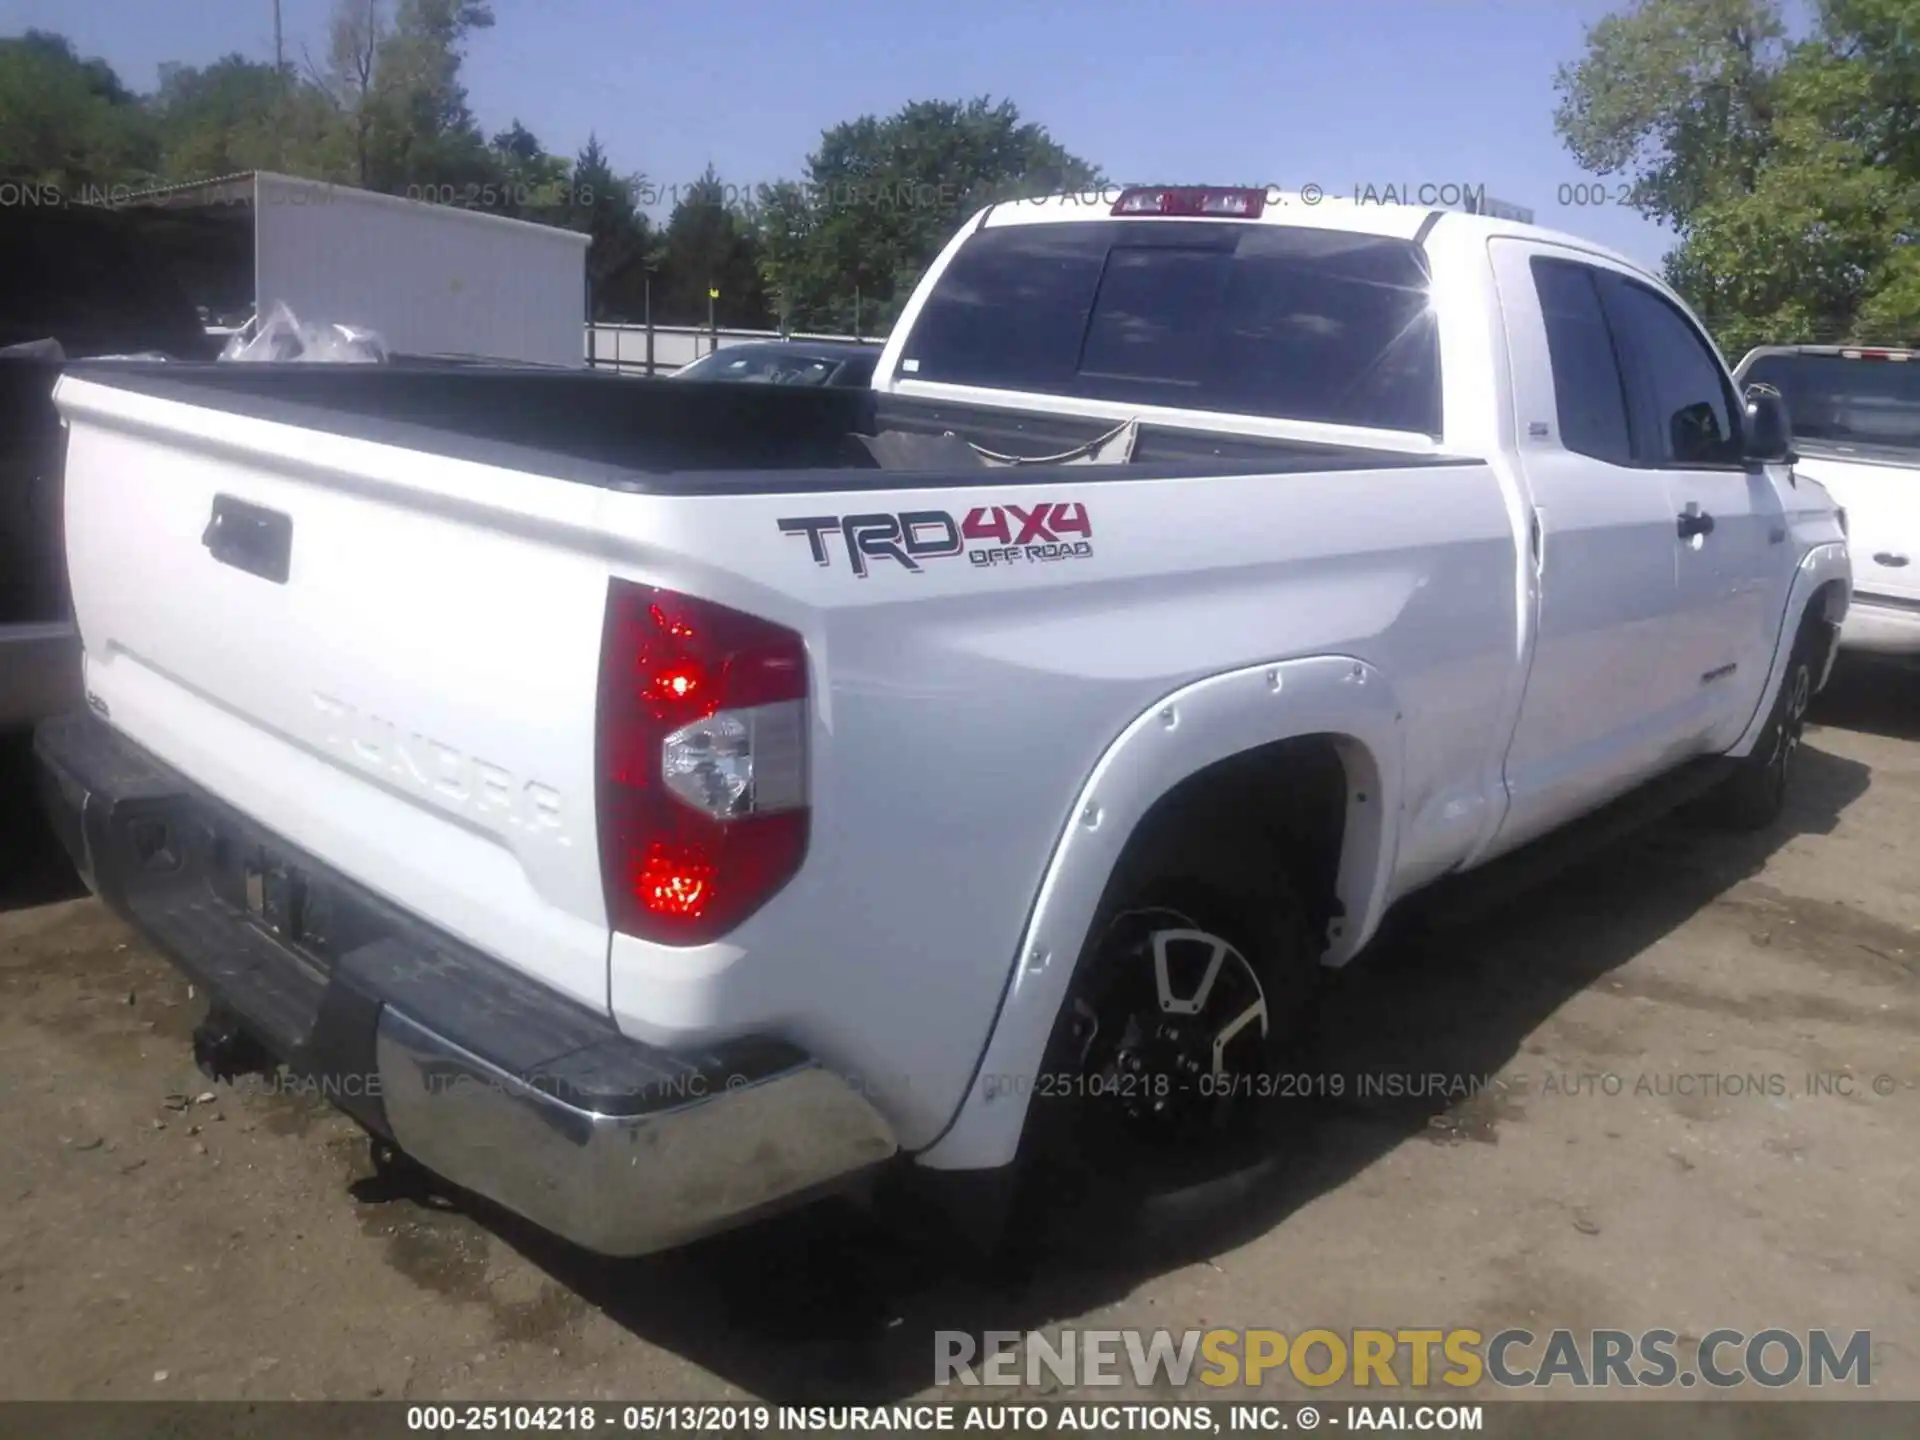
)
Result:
{"points": [[431, 279], [1882, 501], [416, 705]]}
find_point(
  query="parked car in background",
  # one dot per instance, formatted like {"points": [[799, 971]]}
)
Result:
{"points": [[787, 362], [1856, 424]]}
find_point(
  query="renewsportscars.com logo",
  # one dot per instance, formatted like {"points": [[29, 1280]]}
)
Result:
{"points": [[987, 535], [1410, 1358]]}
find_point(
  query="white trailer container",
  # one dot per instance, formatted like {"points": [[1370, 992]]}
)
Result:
{"points": [[432, 279]]}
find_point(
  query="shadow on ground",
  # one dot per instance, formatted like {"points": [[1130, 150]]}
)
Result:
{"points": [[835, 1303], [33, 867], [1872, 696]]}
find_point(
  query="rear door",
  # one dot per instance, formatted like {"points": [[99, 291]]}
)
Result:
{"points": [[1605, 705], [1729, 523]]}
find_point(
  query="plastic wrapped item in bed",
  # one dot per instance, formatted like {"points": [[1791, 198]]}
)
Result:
{"points": [[283, 336]]}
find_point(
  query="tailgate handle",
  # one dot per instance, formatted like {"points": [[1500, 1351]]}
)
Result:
{"points": [[250, 538]]}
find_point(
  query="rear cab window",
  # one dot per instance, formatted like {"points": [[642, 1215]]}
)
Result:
{"points": [[1278, 322]]}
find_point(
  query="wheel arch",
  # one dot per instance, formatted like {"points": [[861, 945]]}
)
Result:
{"points": [[1258, 724], [1822, 585]]}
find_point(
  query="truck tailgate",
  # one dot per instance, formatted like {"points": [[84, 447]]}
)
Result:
{"points": [[389, 659]]}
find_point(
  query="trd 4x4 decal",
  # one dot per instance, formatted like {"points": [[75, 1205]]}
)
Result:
{"points": [[989, 535]]}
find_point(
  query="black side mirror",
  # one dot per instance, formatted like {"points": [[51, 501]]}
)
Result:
{"points": [[1769, 429]]}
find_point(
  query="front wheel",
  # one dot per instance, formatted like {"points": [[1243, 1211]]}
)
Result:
{"points": [[1755, 795]]}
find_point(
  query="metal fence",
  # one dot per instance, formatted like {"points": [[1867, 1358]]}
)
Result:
{"points": [[663, 349]]}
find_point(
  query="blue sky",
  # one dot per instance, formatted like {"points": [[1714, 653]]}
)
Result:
{"points": [[1336, 93]]}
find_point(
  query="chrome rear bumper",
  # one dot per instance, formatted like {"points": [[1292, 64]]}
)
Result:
{"points": [[623, 1184], [491, 1081]]}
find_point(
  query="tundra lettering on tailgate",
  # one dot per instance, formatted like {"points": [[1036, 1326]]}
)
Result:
{"points": [[988, 535], [426, 766]]}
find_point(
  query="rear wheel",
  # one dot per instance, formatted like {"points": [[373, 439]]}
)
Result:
{"points": [[1161, 1091]]}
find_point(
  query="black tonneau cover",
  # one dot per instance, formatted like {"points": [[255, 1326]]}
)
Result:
{"points": [[677, 437]]}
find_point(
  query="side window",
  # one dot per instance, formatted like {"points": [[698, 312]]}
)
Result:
{"points": [[1587, 393], [1692, 417]]}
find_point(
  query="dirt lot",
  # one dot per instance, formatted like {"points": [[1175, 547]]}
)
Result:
{"points": [[237, 1248]]}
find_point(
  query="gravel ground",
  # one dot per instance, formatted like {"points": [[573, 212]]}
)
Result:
{"points": [[163, 1237]]}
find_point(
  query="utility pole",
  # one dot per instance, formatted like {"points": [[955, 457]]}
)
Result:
{"points": [[649, 315], [280, 87]]}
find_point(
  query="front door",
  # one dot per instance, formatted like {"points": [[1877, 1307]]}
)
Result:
{"points": [[1730, 530]]}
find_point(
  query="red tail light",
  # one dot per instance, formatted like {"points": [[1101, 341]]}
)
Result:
{"points": [[702, 764], [1224, 204]]}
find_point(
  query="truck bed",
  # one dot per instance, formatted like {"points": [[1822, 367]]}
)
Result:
{"points": [[675, 438]]}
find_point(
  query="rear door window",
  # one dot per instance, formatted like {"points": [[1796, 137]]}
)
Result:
{"points": [[1587, 391], [1280, 322]]}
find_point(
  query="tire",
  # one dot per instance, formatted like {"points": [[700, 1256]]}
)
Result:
{"points": [[1755, 795], [1145, 1119]]}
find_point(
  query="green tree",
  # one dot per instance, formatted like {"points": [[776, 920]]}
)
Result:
{"points": [[1678, 93], [784, 225], [394, 81], [67, 121], [881, 196], [604, 204], [238, 114], [1790, 167], [710, 243], [529, 183]]}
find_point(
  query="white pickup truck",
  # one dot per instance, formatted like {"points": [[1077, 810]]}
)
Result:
{"points": [[1855, 412], [647, 805]]}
